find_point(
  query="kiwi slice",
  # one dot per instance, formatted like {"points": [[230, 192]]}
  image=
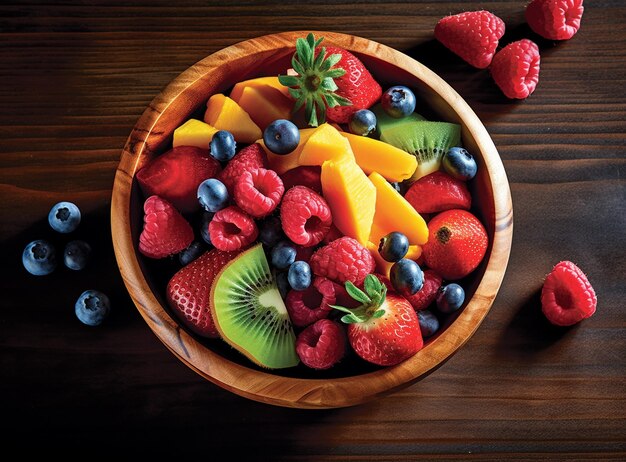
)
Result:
{"points": [[250, 314], [428, 141], [384, 120]]}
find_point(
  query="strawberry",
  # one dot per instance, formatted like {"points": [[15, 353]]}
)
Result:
{"points": [[472, 35], [165, 231], [437, 192], [176, 175], [188, 291], [331, 84], [555, 19], [457, 242], [384, 329]]}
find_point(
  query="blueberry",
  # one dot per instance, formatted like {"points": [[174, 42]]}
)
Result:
{"points": [[64, 217], [283, 255], [406, 277], [450, 298], [398, 101], [362, 122], [429, 324], [223, 145], [299, 275], [212, 195], [283, 284], [92, 307], [193, 251], [204, 227], [271, 231], [459, 163], [76, 255], [281, 136], [393, 246], [39, 258]]}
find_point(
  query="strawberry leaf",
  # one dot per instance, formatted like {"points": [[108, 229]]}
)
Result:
{"points": [[357, 293]]}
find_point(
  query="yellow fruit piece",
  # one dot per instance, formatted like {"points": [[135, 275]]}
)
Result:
{"points": [[383, 266], [265, 104], [394, 213], [194, 132], [325, 143], [283, 163], [225, 114], [377, 156], [271, 82], [350, 196]]}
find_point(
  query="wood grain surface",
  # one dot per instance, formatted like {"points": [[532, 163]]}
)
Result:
{"points": [[76, 76]]}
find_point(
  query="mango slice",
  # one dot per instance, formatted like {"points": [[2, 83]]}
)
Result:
{"points": [[376, 156], [194, 132], [258, 82], [351, 197], [325, 143], [265, 104], [225, 114], [394, 213], [283, 163]]}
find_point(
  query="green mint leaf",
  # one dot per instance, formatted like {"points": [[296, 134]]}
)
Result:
{"points": [[357, 293]]}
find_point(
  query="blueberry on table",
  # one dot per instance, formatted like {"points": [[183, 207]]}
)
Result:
{"points": [[450, 298], [281, 136], [299, 275], [398, 101], [39, 258], [76, 255], [362, 122], [212, 195], [406, 277], [459, 163], [393, 246], [283, 255], [92, 307], [64, 217], [223, 145], [429, 324]]}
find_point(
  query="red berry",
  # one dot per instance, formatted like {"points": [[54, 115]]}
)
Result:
{"points": [[176, 175], [232, 229], [472, 35], [258, 192], [305, 216], [424, 297], [555, 19], [309, 305], [515, 68], [457, 242], [567, 296], [333, 234], [304, 253], [437, 192], [165, 231], [188, 291], [305, 175], [321, 345], [343, 260], [248, 159]]}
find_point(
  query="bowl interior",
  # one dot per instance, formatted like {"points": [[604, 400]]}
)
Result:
{"points": [[354, 380]]}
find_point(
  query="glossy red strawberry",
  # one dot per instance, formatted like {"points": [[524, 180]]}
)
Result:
{"points": [[188, 291], [457, 242], [384, 329], [175, 176], [437, 192], [165, 231]]}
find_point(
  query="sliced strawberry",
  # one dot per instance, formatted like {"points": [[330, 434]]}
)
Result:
{"points": [[437, 192], [567, 296], [165, 231], [175, 176]]}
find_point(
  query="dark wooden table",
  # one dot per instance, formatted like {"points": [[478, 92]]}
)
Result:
{"points": [[74, 79]]}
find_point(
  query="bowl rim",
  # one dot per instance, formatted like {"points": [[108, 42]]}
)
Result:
{"points": [[306, 392]]}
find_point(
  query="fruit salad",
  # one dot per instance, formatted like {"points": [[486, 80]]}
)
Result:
{"points": [[315, 219]]}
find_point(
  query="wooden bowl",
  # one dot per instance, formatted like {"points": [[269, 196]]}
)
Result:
{"points": [[300, 387]]}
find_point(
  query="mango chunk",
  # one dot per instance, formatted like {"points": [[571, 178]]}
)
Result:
{"points": [[223, 113], [394, 213], [194, 132], [373, 155], [265, 104], [325, 143], [283, 163], [351, 197], [258, 82]]}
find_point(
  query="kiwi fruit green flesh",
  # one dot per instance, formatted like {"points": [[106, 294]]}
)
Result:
{"points": [[249, 312], [384, 120], [427, 141]]}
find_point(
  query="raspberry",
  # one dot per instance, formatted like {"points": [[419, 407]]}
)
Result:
{"points": [[312, 304], [303, 253], [567, 296], [472, 35], [165, 231], [424, 297], [248, 159], [232, 229], [321, 345], [305, 216], [258, 192], [555, 19], [333, 234], [515, 68], [343, 260], [305, 175]]}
